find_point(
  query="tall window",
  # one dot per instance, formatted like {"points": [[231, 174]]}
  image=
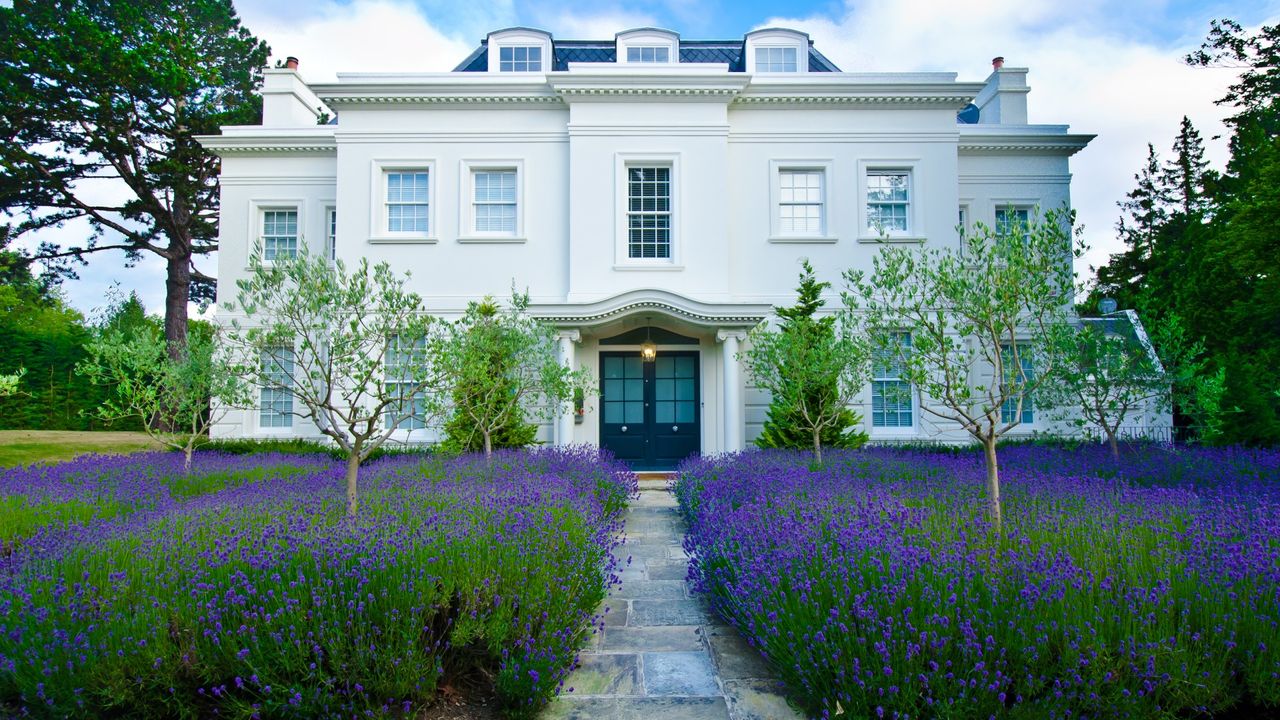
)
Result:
{"points": [[649, 212], [279, 234], [776, 60], [331, 233], [660, 54], [890, 393], [494, 201], [800, 202], [520, 58], [275, 402], [401, 358], [889, 201], [1009, 411], [407, 201], [1013, 221]]}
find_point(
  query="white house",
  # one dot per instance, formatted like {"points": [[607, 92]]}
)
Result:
{"points": [[645, 187]]}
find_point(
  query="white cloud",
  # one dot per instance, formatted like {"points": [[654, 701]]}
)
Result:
{"points": [[1083, 72], [364, 36]]}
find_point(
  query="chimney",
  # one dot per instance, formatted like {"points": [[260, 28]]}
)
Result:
{"points": [[287, 101], [291, 62], [996, 63]]}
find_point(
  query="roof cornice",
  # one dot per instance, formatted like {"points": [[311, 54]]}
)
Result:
{"points": [[436, 89], [266, 142], [1048, 143], [821, 89], [652, 301]]}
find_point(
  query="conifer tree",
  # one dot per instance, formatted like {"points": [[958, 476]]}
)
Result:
{"points": [[784, 427], [1187, 175]]}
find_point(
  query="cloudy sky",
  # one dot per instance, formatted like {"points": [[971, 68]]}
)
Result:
{"points": [[1106, 67]]}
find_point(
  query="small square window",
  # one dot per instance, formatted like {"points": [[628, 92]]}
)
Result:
{"points": [[520, 58], [889, 202], [494, 203], [776, 60], [1013, 221], [407, 201], [279, 234], [801, 208]]}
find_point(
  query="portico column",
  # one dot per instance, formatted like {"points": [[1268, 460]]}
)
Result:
{"points": [[732, 395], [564, 429]]}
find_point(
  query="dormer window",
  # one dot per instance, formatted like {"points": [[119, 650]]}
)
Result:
{"points": [[650, 46], [519, 50], [648, 54], [773, 51], [520, 58], [776, 60]]}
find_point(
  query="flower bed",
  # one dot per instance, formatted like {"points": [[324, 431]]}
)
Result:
{"points": [[264, 600], [876, 587]]}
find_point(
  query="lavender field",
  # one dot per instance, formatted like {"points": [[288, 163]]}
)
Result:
{"points": [[242, 589], [1144, 588]]}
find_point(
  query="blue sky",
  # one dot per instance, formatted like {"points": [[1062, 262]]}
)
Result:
{"points": [[1110, 68]]}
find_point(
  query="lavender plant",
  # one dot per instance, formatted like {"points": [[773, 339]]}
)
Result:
{"points": [[266, 599], [1144, 588]]}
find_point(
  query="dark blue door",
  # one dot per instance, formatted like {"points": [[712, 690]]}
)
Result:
{"points": [[650, 412]]}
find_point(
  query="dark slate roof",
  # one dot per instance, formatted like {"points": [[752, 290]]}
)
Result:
{"points": [[605, 51]]}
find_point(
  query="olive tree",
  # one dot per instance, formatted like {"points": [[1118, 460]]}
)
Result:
{"points": [[346, 350], [177, 394], [976, 329]]}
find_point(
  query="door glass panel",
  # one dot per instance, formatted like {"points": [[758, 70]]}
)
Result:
{"points": [[684, 389], [684, 412], [613, 390], [662, 367], [634, 413], [613, 413], [665, 412], [634, 391], [634, 367], [613, 367], [684, 367], [665, 390]]}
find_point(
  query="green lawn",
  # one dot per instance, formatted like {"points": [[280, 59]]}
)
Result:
{"points": [[22, 447]]}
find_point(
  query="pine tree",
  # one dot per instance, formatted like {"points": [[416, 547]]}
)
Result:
{"points": [[1145, 212], [781, 428], [1187, 175]]}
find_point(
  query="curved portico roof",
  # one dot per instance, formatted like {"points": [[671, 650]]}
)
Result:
{"points": [[696, 312]]}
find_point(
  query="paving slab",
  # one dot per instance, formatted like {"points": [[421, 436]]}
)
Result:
{"points": [[612, 675], [682, 611], [734, 658], [758, 700], [670, 589], [674, 708], [687, 638], [680, 673]]}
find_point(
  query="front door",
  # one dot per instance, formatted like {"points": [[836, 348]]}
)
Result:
{"points": [[650, 412]]}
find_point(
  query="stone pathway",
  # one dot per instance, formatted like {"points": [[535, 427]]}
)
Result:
{"points": [[662, 653]]}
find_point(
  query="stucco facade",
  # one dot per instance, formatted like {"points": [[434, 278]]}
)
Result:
{"points": [[733, 128]]}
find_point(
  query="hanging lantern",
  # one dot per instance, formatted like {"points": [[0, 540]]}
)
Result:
{"points": [[648, 351]]}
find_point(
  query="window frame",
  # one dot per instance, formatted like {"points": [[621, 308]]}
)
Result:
{"points": [[913, 405], [915, 191], [416, 425], [466, 201], [527, 47], [379, 220], [666, 50], [331, 230], [256, 225], [1020, 205], [623, 163], [1028, 398], [769, 48], [829, 190], [641, 38], [258, 413]]}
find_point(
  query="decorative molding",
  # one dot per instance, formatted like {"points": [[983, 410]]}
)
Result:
{"points": [[1054, 144], [652, 301], [799, 96], [722, 335], [461, 98], [843, 137]]}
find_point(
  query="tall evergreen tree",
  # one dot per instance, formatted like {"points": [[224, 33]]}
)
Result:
{"points": [[1145, 209], [110, 94], [784, 427], [1187, 176]]}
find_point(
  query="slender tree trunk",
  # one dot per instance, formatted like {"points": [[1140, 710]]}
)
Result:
{"points": [[488, 445], [993, 481], [1111, 440], [177, 291], [186, 458], [353, 473], [817, 447]]}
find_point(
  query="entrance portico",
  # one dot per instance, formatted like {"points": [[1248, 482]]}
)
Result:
{"points": [[652, 409]]}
